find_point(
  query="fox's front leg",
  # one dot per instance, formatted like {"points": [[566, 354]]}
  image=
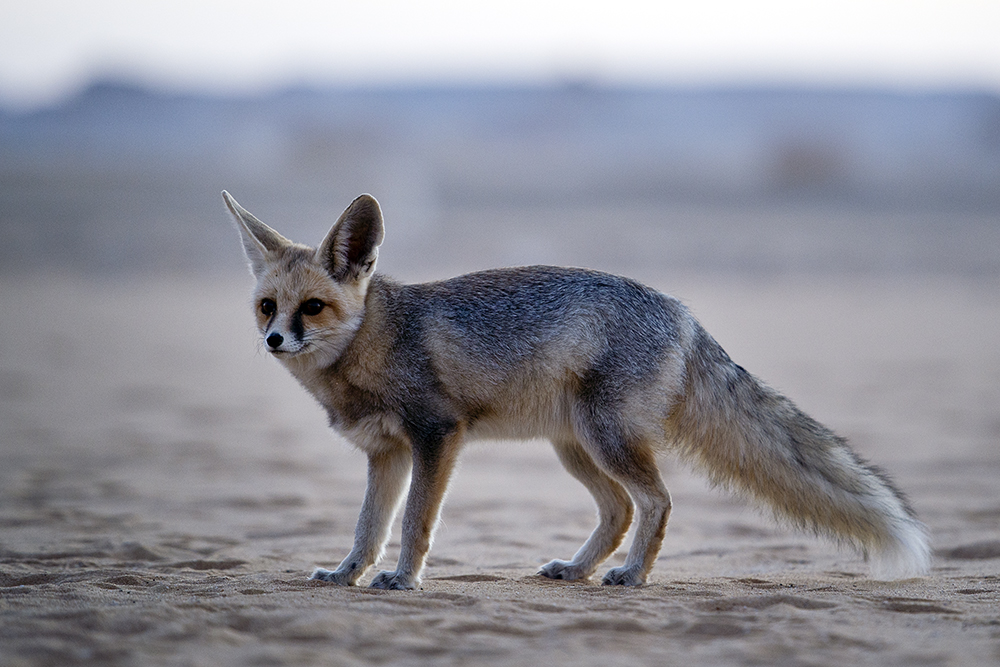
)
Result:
{"points": [[432, 466], [387, 473]]}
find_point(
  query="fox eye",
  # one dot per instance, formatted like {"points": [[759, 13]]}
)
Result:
{"points": [[267, 307], [312, 307]]}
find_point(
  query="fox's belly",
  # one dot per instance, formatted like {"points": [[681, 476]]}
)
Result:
{"points": [[522, 418]]}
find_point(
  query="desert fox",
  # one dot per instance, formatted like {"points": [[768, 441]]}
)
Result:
{"points": [[610, 371]]}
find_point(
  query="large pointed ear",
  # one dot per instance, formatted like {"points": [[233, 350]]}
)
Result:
{"points": [[259, 240], [350, 249]]}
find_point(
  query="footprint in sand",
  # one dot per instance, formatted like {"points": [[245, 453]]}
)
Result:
{"points": [[762, 583], [129, 580], [201, 564], [715, 630], [916, 606], [763, 602], [12, 581], [471, 578], [133, 551], [975, 551]]}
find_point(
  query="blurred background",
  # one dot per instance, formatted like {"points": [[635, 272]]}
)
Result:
{"points": [[771, 138], [819, 180]]}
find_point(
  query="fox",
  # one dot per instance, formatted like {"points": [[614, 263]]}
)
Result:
{"points": [[611, 372]]}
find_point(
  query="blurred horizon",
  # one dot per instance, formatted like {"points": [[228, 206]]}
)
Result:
{"points": [[780, 180]]}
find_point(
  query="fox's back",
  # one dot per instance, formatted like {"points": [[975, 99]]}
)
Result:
{"points": [[511, 347], [506, 316]]}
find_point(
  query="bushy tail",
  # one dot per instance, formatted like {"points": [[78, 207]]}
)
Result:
{"points": [[755, 441]]}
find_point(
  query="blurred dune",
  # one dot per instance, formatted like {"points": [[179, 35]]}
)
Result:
{"points": [[122, 178]]}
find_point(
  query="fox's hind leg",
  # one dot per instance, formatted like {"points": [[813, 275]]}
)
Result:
{"points": [[614, 510], [653, 504], [630, 461]]}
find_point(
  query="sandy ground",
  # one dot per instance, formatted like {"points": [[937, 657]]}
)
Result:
{"points": [[165, 490]]}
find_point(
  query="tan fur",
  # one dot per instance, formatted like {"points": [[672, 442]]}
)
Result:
{"points": [[608, 370]]}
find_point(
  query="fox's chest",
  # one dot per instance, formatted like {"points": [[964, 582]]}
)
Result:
{"points": [[359, 415]]}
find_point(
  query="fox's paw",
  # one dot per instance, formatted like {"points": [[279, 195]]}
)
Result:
{"points": [[393, 581], [334, 577], [565, 570], [624, 576]]}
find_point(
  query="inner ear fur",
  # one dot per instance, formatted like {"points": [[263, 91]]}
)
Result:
{"points": [[351, 247]]}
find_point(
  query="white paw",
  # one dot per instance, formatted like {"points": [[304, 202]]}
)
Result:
{"points": [[334, 577], [565, 570], [394, 581], [624, 576]]}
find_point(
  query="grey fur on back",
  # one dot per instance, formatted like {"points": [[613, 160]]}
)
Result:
{"points": [[503, 317]]}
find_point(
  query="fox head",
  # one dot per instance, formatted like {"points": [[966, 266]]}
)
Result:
{"points": [[309, 302]]}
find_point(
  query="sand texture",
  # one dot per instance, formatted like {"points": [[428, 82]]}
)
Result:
{"points": [[166, 489]]}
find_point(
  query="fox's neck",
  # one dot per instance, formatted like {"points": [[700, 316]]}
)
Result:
{"points": [[358, 353]]}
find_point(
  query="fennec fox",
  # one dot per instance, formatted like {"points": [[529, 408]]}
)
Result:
{"points": [[608, 370]]}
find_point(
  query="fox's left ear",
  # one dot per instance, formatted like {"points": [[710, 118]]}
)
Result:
{"points": [[350, 249]]}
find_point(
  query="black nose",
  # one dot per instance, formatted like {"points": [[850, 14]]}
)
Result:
{"points": [[275, 340]]}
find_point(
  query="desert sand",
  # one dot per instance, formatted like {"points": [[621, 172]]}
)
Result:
{"points": [[166, 489]]}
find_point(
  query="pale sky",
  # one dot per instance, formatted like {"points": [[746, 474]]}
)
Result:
{"points": [[49, 48]]}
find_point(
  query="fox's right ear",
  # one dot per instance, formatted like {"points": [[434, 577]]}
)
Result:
{"points": [[259, 240]]}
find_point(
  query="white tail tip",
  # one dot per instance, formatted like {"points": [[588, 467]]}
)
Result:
{"points": [[909, 556]]}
